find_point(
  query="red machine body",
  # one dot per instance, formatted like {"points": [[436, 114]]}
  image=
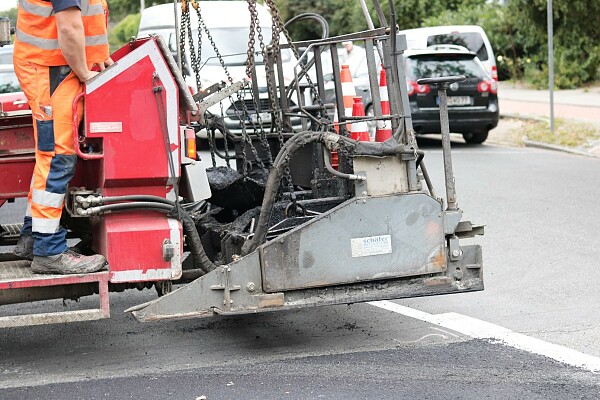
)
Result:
{"points": [[128, 144], [17, 156], [132, 119]]}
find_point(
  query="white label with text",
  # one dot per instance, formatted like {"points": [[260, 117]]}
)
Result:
{"points": [[371, 246], [106, 127]]}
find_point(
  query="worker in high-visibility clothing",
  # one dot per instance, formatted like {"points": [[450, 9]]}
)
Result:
{"points": [[58, 46]]}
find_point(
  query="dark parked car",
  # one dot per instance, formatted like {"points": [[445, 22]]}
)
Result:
{"points": [[472, 104]]}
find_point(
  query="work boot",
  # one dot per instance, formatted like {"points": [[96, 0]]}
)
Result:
{"points": [[68, 262], [24, 247]]}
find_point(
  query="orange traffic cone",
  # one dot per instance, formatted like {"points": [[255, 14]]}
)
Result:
{"points": [[384, 127], [336, 120], [359, 130], [348, 90]]}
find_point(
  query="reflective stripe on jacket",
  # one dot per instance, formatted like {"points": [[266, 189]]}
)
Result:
{"points": [[36, 36]]}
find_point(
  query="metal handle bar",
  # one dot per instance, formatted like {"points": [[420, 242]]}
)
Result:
{"points": [[441, 80], [85, 156]]}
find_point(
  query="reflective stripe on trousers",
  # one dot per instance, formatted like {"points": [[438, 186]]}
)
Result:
{"points": [[55, 159]]}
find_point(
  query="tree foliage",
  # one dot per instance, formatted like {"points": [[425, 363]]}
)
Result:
{"points": [[119, 9], [517, 30], [124, 31]]}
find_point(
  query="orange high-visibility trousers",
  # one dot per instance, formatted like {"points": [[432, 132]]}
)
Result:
{"points": [[50, 92]]}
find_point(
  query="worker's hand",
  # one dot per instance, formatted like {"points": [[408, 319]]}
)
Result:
{"points": [[106, 64], [86, 76]]}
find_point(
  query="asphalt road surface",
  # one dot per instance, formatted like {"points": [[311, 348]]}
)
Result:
{"points": [[533, 333]]}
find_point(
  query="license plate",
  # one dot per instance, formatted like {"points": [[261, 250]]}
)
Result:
{"points": [[454, 101], [265, 117]]}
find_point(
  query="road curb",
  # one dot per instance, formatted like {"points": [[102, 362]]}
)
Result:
{"points": [[546, 146], [523, 117]]}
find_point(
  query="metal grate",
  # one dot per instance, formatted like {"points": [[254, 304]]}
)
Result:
{"points": [[11, 270]]}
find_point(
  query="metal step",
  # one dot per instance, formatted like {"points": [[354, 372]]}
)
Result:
{"points": [[17, 275], [9, 234]]}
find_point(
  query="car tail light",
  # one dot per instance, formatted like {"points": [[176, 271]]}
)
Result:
{"points": [[410, 87], [489, 86], [422, 88], [413, 87], [495, 73]]}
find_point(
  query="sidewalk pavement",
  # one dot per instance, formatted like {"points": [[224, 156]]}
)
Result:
{"points": [[582, 105]]}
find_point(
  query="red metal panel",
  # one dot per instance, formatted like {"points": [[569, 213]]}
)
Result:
{"points": [[133, 143], [128, 113], [133, 245], [17, 158], [10, 102]]}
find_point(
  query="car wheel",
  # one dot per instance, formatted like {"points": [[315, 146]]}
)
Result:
{"points": [[475, 137]]}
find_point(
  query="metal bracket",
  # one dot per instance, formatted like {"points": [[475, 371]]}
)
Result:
{"points": [[454, 249], [216, 97], [226, 287]]}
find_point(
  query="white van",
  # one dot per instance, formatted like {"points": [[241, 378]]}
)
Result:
{"points": [[229, 25], [472, 37]]}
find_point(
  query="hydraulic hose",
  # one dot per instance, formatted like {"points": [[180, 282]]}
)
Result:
{"points": [[329, 140], [139, 205], [192, 238], [319, 18], [137, 197], [329, 167]]}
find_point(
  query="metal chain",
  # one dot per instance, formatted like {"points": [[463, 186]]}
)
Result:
{"points": [[256, 30], [225, 140], [278, 20], [245, 136]]}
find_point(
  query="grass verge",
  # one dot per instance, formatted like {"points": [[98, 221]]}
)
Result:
{"points": [[566, 133]]}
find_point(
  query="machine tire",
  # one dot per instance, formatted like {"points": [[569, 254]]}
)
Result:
{"points": [[475, 137], [163, 287]]}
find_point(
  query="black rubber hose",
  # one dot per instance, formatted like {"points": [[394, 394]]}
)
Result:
{"points": [[137, 197], [272, 185], [319, 18], [390, 147], [192, 238], [138, 205]]}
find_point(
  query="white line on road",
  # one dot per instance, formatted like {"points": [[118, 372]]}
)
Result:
{"points": [[478, 329]]}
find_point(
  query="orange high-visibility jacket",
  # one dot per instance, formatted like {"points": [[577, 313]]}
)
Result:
{"points": [[36, 36]]}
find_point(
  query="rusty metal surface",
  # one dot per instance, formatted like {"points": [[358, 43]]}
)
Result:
{"points": [[18, 274], [321, 252], [51, 318], [196, 300]]}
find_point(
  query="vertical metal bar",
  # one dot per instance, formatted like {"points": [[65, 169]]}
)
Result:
{"points": [[365, 11], [551, 63], [445, 125], [104, 297], [178, 37], [372, 69], [370, 25], [339, 96], [319, 71], [283, 101], [427, 179], [380, 14]]}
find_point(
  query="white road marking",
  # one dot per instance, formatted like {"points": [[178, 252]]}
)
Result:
{"points": [[478, 329]]}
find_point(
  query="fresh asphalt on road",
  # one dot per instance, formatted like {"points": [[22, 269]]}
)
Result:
{"points": [[541, 273]]}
